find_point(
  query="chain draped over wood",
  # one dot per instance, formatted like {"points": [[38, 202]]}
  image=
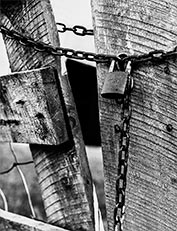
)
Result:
{"points": [[119, 210], [77, 29], [152, 56]]}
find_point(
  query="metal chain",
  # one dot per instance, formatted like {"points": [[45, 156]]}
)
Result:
{"points": [[153, 56], [77, 29], [58, 51], [119, 210]]}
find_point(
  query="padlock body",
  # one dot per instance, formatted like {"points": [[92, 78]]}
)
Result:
{"points": [[114, 85]]}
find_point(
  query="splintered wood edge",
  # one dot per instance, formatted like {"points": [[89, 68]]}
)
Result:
{"points": [[32, 108], [18, 222]]}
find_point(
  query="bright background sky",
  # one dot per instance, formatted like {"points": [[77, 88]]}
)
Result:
{"points": [[4, 65], [71, 13]]}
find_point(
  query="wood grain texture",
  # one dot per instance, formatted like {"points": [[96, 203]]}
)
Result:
{"points": [[35, 18], [64, 196], [30, 108], [14, 222], [137, 27]]}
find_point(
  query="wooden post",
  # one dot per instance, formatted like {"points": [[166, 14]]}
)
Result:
{"points": [[65, 207], [138, 27]]}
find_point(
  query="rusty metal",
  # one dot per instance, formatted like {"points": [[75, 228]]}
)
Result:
{"points": [[77, 29], [119, 210], [58, 51], [152, 56], [115, 83]]}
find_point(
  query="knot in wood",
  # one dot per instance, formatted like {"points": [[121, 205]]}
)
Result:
{"points": [[169, 127]]}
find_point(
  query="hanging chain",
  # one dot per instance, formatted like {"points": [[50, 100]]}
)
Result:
{"points": [[77, 29], [119, 210], [58, 51], [153, 56]]}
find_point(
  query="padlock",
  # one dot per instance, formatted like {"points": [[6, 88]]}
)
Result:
{"points": [[115, 82]]}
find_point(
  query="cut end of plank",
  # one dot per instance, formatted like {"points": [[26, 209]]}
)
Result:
{"points": [[32, 108]]}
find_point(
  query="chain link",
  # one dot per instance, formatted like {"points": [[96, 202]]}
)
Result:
{"points": [[58, 51], [119, 210], [153, 56], [77, 29]]}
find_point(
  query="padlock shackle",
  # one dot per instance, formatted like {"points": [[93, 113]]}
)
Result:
{"points": [[121, 61], [128, 67], [112, 65]]}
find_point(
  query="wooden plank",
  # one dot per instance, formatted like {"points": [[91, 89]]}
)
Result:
{"points": [[74, 209], [137, 27], [30, 108], [11, 221]]}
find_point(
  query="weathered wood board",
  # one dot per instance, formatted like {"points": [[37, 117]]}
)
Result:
{"points": [[137, 27], [11, 221], [31, 109], [74, 210]]}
